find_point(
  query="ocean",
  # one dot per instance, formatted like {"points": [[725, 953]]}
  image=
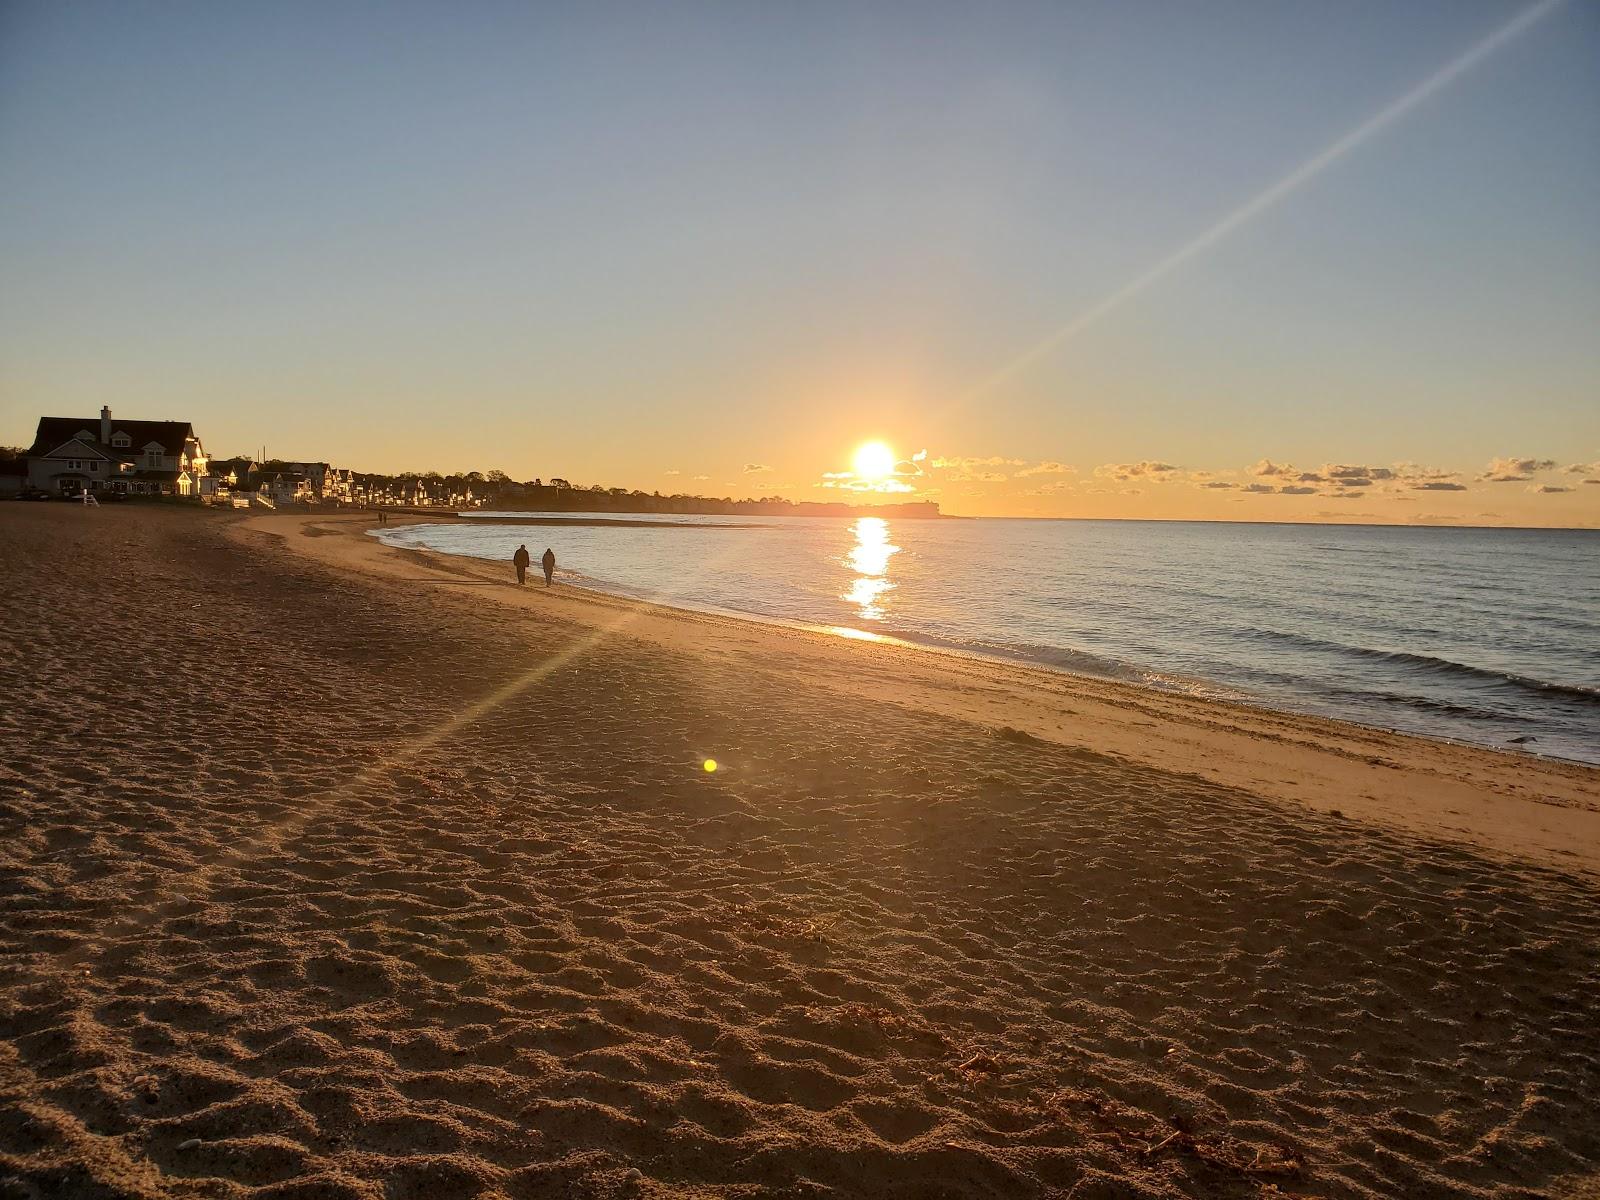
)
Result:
{"points": [[1478, 635]]}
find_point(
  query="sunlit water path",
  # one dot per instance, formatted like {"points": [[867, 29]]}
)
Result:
{"points": [[1482, 635]]}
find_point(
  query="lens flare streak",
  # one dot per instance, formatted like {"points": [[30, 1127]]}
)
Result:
{"points": [[1272, 195]]}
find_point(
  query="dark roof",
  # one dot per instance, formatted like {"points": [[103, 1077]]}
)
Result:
{"points": [[153, 476], [57, 431]]}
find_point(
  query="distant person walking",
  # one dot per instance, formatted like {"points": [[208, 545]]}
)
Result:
{"points": [[549, 561], [521, 559]]}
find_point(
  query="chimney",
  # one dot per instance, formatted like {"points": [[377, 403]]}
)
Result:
{"points": [[105, 424]]}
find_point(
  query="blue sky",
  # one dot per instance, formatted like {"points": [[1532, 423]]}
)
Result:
{"points": [[612, 241]]}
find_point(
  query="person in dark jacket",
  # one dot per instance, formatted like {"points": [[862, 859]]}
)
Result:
{"points": [[549, 561], [521, 560]]}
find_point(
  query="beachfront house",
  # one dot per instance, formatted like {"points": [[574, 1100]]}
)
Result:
{"points": [[372, 489], [235, 474], [339, 485], [324, 483], [152, 458], [288, 487]]}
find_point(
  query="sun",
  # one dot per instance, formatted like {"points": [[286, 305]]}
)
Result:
{"points": [[873, 461]]}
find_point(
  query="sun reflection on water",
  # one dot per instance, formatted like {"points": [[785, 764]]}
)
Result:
{"points": [[869, 558]]}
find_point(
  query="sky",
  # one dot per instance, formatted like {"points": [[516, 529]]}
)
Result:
{"points": [[1225, 260]]}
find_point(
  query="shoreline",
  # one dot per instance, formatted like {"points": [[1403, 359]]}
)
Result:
{"points": [[1207, 690], [1510, 803]]}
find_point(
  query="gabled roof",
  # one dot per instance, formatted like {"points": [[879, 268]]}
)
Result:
{"points": [[80, 447], [55, 431]]}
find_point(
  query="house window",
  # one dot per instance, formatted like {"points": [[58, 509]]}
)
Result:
{"points": [[74, 464], [122, 441], [94, 468]]}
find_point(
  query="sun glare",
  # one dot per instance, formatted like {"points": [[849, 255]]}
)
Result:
{"points": [[873, 461]]}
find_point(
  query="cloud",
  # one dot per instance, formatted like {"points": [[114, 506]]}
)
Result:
{"points": [[1341, 480], [979, 477], [964, 464], [672, 471], [1436, 485], [701, 478], [1346, 495], [865, 485], [1049, 489], [1412, 472], [1583, 469], [1266, 467], [1218, 484], [1344, 473], [1146, 469], [906, 468], [1592, 480], [755, 469], [1514, 470], [1548, 489], [1346, 477], [1048, 468]]}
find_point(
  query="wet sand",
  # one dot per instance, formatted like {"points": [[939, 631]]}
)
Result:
{"points": [[337, 871]]}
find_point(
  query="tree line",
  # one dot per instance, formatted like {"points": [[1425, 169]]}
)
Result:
{"points": [[497, 490]]}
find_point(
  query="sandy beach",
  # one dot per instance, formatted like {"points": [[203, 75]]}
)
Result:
{"points": [[336, 871]]}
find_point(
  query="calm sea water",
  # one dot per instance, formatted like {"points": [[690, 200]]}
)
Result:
{"points": [[1482, 635]]}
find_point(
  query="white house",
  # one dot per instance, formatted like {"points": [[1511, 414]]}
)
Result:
{"points": [[72, 454]]}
